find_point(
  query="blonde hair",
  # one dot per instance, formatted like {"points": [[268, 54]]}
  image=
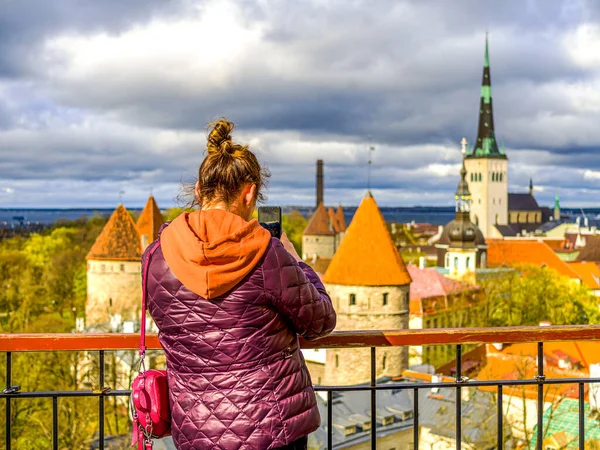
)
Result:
{"points": [[228, 167]]}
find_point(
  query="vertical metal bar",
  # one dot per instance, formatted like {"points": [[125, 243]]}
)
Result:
{"points": [[55, 422], [373, 400], [329, 420], [500, 413], [8, 399], [458, 398], [581, 419], [101, 404], [416, 419], [540, 399]]}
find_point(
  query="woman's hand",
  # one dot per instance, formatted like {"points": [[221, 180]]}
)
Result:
{"points": [[287, 244]]}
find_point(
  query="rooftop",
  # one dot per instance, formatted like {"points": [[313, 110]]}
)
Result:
{"points": [[319, 223], [367, 255], [119, 240]]}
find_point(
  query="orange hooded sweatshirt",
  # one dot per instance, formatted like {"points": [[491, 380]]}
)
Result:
{"points": [[210, 251]]}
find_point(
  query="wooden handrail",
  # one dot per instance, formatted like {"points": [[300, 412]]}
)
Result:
{"points": [[339, 339]]}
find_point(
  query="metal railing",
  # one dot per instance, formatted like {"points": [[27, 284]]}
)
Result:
{"points": [[12, 343]]}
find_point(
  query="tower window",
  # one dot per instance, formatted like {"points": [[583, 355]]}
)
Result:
{"points": [[480, 178], [456, 262], [352, 299], [384, 361], [337, 361], [468, 262], [122, 267], [385, 298], [493, 176]]}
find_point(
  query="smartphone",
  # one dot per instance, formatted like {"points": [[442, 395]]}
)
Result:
{"points": [[269, 217]]}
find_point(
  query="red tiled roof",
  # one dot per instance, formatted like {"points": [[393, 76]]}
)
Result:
{"points": [[508, 252], [150, 220], [367, 256], [341, 220], [430, 284], [319, 224], [589, 272], [591, 251], [119, 240]]}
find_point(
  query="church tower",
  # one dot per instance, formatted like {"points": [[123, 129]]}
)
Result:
{"points": [[369, 286], [114, 272], [487, 165], [462, 247]]}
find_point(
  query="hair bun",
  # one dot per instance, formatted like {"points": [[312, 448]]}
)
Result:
{"points": [[219, 138]]}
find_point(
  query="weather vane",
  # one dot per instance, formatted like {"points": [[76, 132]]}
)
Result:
{"points": [[463, 146], [121, 192], [371, 149]]}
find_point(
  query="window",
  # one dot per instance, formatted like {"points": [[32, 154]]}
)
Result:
{"points": [[103, 267], [468, 262], [456, 262], [480, 178], [352, 299], [435, 324], [384, 361], [385, 298], [110, 301], [337, 361], [493, 176], [447, 260], [122, 267]]}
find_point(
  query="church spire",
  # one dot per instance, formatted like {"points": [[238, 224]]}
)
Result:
{"points": [[463, 195], [486, 145]]}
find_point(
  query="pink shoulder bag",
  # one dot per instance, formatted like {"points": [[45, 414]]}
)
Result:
{"points": [[149, 390]]}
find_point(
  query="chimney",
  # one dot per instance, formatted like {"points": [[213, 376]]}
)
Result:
{"points": [[422, 262], [319, 181]]}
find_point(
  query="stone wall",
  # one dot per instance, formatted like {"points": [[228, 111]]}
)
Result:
{"points": [[367, 310], [113, 287], [322, 246]]}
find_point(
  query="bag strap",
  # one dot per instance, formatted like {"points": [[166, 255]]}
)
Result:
{"points": [[144, 294]]}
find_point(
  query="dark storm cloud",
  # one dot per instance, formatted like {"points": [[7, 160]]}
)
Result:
{"points": [[97, 92]]}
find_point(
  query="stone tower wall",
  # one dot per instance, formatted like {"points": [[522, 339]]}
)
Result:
{"points": [[490, 198], [352, 366], [113, 287], [322, 246]]}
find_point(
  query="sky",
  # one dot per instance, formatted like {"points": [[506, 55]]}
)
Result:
{"points": [[103, 97]]}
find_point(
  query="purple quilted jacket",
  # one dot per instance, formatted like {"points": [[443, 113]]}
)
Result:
{"points": [[237, 378]]}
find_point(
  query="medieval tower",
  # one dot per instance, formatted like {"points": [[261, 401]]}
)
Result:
{"points": [[114, 268], [369, 286], [114, 273], [487, 165]]}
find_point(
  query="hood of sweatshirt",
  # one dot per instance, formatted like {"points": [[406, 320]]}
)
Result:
{"points": [[211, 251]]}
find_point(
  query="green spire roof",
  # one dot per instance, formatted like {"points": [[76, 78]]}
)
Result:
{"points": [[556, 202], [486, 145]]}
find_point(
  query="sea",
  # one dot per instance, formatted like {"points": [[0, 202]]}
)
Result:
{"points": [[435, 215]]}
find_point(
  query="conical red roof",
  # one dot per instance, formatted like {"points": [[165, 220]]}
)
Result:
{"points": [[367, 255], [150, 220], [341, 220], [119, 239], [320, 223]]}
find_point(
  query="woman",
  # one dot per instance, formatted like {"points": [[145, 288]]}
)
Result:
{"points": [[229, 302]]}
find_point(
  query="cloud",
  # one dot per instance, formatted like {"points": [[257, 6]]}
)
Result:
{"points": [[97, 94]]}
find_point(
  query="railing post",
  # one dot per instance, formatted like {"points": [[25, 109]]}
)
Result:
{"points": [[500, 413], [101, 404], [416, 419], [540, 377], [8, 408], [373, 400], [55, 422], [458, 397], [581, 419], [329, 419]]}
